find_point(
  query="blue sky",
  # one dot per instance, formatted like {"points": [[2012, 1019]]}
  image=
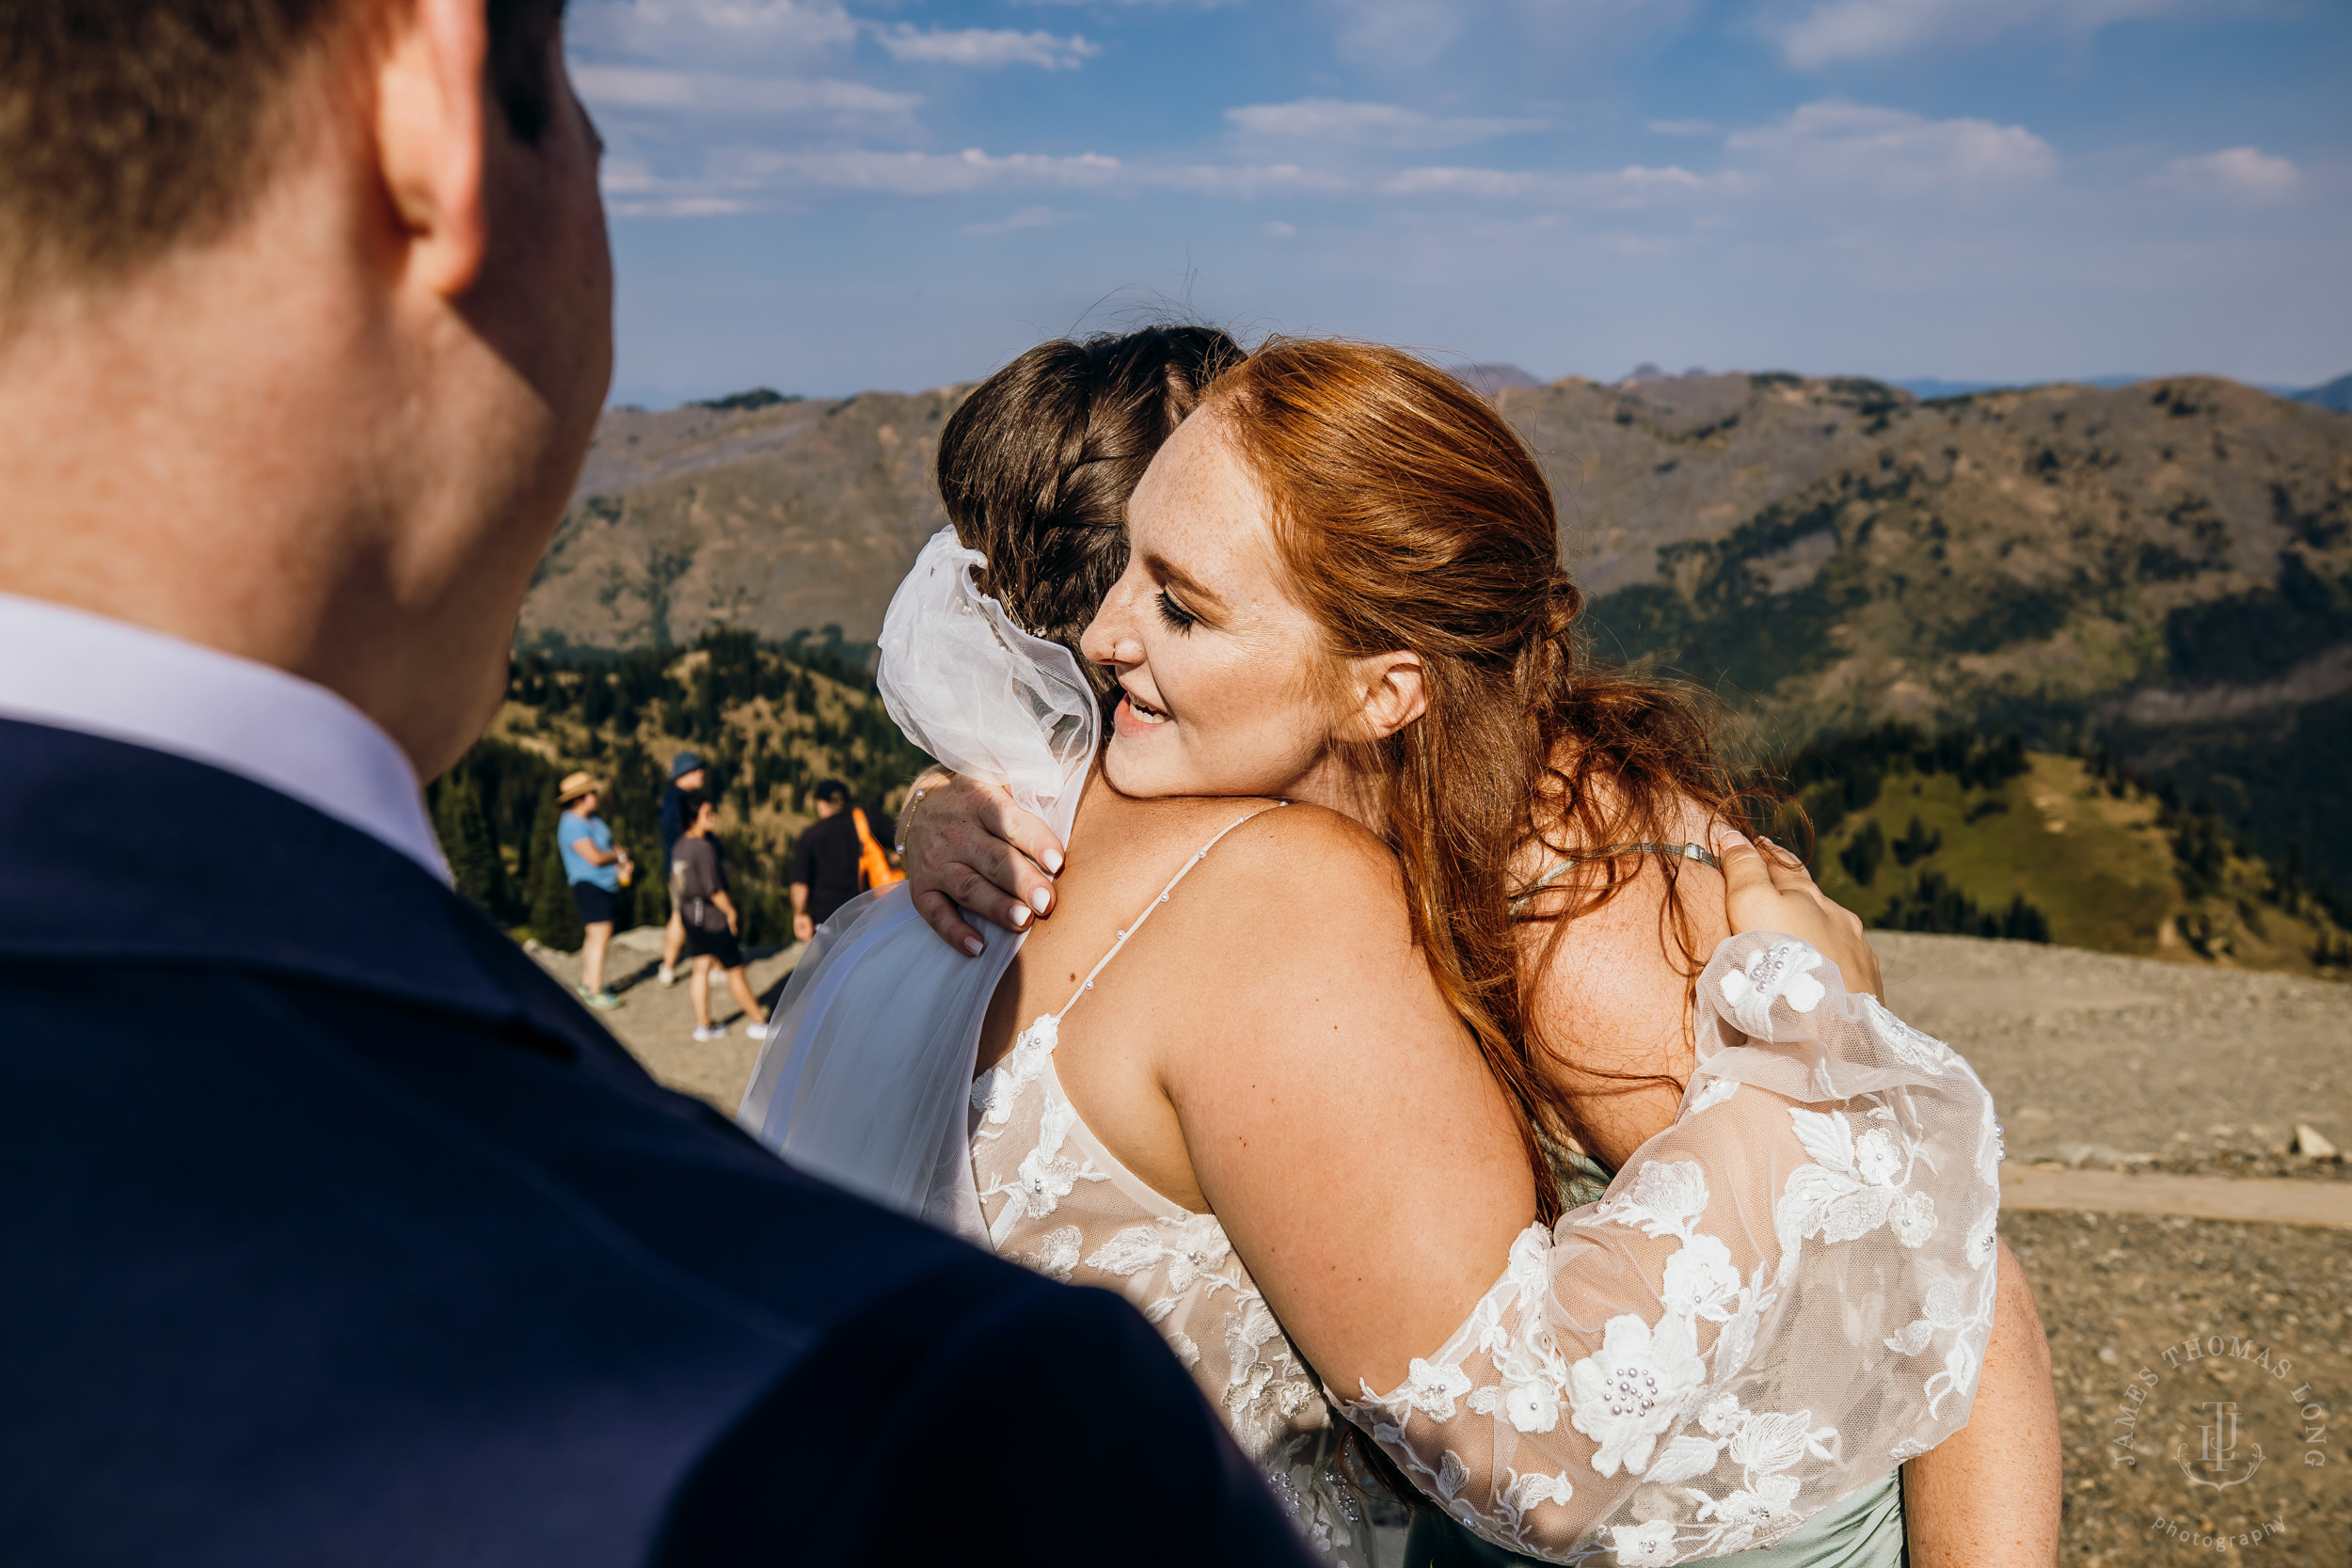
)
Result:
{"points": [[828, 196]]}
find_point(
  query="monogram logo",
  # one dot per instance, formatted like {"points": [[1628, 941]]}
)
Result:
{"points": [[2230, 1391], [2219, 1455]]}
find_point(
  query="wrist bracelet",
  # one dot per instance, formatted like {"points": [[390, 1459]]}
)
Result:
{"points": [[906, 818]]}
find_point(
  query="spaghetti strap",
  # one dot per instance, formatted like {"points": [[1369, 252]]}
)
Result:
{"points": [[1199, 855], [1673, 851]]}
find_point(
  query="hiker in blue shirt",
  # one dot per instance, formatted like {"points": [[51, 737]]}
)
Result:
{"points": [[597, 870]]}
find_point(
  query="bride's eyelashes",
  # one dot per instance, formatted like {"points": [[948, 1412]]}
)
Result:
{"points": [[1178, 619]]}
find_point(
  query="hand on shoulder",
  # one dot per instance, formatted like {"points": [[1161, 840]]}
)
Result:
{"points": [[1766, 888]]}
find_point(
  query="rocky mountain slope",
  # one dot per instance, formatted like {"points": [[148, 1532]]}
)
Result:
{"points": [[2164, 568], [774, 517]]}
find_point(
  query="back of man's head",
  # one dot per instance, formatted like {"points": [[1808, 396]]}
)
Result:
{"points": [[130, 128], [831, 792], [305, 324]]}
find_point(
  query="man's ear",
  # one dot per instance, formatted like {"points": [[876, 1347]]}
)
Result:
{"points": [[429, 137], [1394, 694]]}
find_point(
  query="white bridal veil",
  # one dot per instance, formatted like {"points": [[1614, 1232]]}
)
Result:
{"points": [[865, 1075]]}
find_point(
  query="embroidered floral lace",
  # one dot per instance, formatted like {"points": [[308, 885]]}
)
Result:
{"points": [[1780, 1297]]}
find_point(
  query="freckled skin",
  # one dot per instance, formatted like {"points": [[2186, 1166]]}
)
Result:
{"points": [[1244, 715]]}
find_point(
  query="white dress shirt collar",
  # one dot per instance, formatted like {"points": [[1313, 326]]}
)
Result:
{"points": [[76, 671]]}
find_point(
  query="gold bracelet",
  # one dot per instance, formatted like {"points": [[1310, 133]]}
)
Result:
{"points": [[906, 818]]}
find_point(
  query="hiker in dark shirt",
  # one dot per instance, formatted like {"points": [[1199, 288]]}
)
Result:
{"points": [[844, 852], [686, 778], [698, 892]]}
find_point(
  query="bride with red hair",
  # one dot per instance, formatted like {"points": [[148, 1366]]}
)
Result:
{"points": [[1277, 1065]]}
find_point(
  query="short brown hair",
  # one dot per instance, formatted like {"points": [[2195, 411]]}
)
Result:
{"points": [[131, 127], [1035, 468]]}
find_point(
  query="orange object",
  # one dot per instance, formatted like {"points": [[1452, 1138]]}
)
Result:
{"points": [[873, 862]]}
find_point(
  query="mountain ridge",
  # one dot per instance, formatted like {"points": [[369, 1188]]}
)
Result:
{"points": [[2163, 569]]}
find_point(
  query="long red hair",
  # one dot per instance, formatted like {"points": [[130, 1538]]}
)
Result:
{"points": [[1409, 516]]}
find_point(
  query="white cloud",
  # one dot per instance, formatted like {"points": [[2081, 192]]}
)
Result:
{"points": [[738, 178], [1027, 217], [609, 87], [986, 47], [1334, 122], [1396, 32], [1551, 47], [1242, 181], [1280, 230], [1685, 128], [1470, 182], [2241, 173], [1630, 186], [1832, 31], [940, 174], [1859, 149], [737, 33]]}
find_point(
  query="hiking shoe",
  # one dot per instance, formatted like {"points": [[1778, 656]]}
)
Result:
{"points": [[757, 1031], [711, 1032], [669, 975], [603, 1001]]}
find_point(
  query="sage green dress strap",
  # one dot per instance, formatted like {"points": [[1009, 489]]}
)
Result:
{"points": [[1862, 1529], [1698, 852]]}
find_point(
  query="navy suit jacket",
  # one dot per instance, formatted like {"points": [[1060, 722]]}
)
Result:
{"points": [[333, 1232]]}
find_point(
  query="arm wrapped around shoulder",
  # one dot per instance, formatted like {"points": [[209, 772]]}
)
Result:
{"points": [[1784, 1296]]}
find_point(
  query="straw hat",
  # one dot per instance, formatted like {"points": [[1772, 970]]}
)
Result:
{"points": [[577, 785]]}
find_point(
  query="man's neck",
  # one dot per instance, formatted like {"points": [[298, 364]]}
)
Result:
{"points": [[254, 445]]}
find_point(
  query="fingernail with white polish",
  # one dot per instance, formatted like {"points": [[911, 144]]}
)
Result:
{"points": [[1020, 914], [972, 946], [1041, 898], [1053, 861]]}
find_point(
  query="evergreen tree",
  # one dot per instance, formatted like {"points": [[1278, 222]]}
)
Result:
{"points": [[554, 919], [1862, 856], [464, 829]]}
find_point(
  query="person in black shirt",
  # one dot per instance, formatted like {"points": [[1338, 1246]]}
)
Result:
{"points": [[698, 893], [825, 868], [686, 778]]}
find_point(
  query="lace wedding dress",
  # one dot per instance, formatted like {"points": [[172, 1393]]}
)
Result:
{"points": [[1779, 1299]]}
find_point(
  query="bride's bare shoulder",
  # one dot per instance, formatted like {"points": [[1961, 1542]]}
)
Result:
{"points": [[1310, 849], [1317, 890]]}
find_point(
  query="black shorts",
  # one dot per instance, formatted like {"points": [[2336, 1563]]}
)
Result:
{"points": [[713, 945], [596, 904]]}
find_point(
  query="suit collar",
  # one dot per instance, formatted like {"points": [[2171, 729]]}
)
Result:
{"points": [[118, 852], [76, 671]]}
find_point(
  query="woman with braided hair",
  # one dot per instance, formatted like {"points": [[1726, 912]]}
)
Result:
{"points": [[1308, 1111]]}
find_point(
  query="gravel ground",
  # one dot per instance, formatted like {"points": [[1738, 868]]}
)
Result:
{"points": [[657, 1022], [2116, 1292], [2095, 1058]]}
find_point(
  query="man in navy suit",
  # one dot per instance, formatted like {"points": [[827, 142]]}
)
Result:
{"points": [[331, 1230]]}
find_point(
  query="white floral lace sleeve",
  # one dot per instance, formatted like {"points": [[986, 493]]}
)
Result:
{"points": [[1782, 1297]]}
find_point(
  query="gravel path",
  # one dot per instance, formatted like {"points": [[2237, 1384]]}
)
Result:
{"points": [[2046, 1188], [657, 1022]]}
